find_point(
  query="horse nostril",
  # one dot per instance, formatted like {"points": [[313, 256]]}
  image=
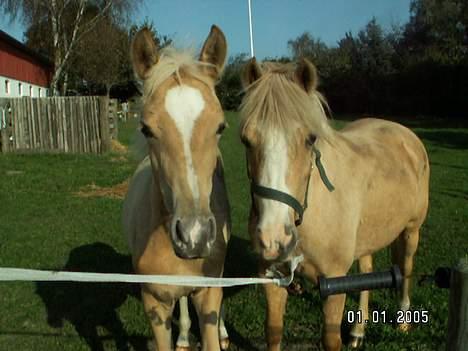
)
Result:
{"points": [[179, 231], [212, 224], [263, 244]]}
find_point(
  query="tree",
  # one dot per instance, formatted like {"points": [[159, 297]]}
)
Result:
{"points": [[66, 23], [312, 48], [104, 62], [373, 51], [437, 31], [161, 40], [229, 89]]}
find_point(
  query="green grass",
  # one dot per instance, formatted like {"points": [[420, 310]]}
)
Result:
{"points": [[44, 225]]}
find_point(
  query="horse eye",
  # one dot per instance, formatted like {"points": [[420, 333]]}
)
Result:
{"points": [[311, 140], [146, 131], [221, 128]]}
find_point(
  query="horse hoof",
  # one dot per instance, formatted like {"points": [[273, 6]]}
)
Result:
{"points": [[356, 342], [224, 344], [404, 327]]}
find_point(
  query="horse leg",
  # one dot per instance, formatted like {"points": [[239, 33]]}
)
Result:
{"points": [[183, 343], [403, 250], [276, 298], [160, 315], [207, 302], [358, 330], [333, 308], [223, 334]]}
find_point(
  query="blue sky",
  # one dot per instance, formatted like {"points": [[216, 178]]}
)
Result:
{"points": [[274, 21]]}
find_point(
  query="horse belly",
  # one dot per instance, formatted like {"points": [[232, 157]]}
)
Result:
{"points": [[396, 196], [379, 226]]}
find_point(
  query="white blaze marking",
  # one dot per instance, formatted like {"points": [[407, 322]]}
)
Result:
{"points": [[273, 175], [184, 104]]}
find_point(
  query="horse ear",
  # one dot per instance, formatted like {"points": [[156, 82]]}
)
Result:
{"points": [[144, 53], [214, 51], [250, 73], [306, 75]]}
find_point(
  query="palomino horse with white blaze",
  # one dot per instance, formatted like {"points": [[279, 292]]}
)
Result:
{"points": [[176, 212], [366, 187]]}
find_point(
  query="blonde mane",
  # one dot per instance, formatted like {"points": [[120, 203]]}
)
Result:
{"points": [[173, 61], [275, 102]]}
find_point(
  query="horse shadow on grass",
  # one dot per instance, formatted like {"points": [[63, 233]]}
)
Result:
{"points": [[92, 306], [89, 306], [240, 263]]}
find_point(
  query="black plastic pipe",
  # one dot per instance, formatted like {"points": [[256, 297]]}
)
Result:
{"points": [[358, 282]]}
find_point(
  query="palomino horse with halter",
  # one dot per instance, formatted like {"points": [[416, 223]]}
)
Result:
{"points": [[176, 212], [369, 190]]}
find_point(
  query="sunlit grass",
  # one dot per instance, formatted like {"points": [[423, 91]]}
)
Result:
{"points": [[44, 225]]}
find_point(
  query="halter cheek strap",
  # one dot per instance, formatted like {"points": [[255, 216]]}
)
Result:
{"points": [[277, 195], [323, 174], [280, 196]]}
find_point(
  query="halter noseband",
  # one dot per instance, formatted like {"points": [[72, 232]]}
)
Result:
{"points": [[280, 196]]}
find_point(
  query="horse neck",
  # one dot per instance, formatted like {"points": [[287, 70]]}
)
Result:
{"points": [[157, 202]]}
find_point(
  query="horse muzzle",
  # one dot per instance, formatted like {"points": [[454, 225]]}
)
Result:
{"points": [[277, 248], [193, 236]]}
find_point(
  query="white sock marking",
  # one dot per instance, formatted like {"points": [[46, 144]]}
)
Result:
{"points": [[185, 104]]}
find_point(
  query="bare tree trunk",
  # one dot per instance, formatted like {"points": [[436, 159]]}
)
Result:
{"points": [[57, 51], [65, 83], [63, 50]]}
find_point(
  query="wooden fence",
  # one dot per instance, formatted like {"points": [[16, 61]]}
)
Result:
{"points": [[57, 124]]}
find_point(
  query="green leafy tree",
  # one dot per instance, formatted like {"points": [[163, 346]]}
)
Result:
{"points": [[313, 49], [437, 31], [229, 89], [103, 62], [161, 40]]}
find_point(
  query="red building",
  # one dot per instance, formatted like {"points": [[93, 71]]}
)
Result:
{"points": [[23, 72]]}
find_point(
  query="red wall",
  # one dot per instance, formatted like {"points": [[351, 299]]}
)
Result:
{"points": [[18, 65]]}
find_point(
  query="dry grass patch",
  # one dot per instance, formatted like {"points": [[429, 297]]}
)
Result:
{"points": [[115, 192], [116, 146]]}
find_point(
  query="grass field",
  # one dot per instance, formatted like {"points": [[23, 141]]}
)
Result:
{"points": [[44, 225]]}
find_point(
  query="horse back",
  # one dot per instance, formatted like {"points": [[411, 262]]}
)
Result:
{"points": [[388, 146]]}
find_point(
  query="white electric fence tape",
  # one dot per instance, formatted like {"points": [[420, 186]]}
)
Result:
{"points": [[18, 274]]}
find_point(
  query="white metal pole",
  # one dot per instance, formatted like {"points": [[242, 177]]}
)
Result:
{"points": [[250, 28]]}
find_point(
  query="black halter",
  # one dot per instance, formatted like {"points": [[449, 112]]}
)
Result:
{"points": [[280, 196]]}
